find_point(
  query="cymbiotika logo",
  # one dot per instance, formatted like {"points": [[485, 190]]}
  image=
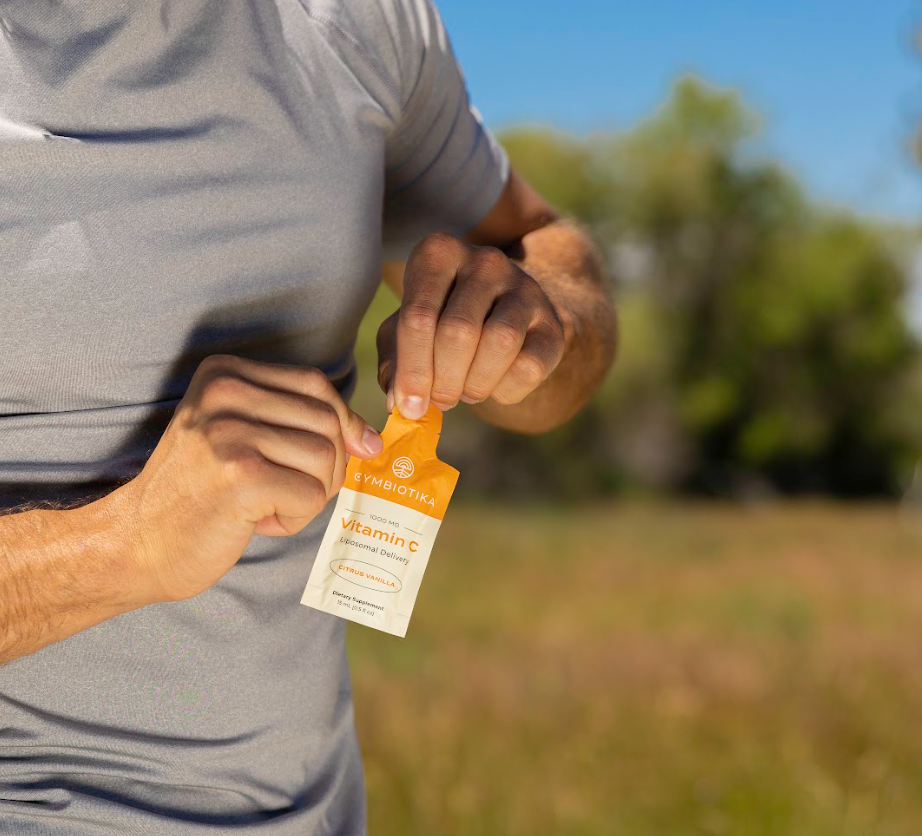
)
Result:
{"points": [[403, 467]]}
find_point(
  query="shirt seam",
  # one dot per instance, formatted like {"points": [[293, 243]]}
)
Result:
{"points": [[358, 49]]}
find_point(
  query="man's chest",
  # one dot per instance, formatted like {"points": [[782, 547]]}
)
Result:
{"points": [[179, 195]]}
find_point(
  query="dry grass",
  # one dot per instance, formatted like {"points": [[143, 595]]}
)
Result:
{"points": [[652, 670]]}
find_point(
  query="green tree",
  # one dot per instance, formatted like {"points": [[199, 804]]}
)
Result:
{"points": [[788, 344]]}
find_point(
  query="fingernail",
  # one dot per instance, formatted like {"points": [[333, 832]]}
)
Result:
{"points": [[443, 406], [372, 442], [412, 407], [389, 401], [466, 399]]}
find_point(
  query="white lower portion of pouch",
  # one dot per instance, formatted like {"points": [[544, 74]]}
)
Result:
{"points": [[371, 562]]}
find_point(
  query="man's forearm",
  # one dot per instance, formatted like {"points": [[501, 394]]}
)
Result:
{"points": [[562, 259], [60, 572]]}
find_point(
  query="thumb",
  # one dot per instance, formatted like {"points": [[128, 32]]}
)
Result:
{"points": [[361, 439]]}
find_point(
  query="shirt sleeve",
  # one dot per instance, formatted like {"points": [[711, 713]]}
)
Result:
{"points": [[444, 169]]}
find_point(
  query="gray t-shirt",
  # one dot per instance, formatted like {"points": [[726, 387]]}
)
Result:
{"points": [[179, 179]]}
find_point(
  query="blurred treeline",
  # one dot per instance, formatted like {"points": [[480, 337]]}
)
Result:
{"points": [[764, 348]]}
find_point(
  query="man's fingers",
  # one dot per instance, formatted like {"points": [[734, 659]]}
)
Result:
{"points": [[540, 354], [317, 455], [360, 438], [430, 272], [415, 338], [500, 342], [292, 497], [461, 325], [307, 415], [472, 325]]}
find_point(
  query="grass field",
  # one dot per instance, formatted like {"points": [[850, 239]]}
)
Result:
{"points": [[648, 671]]}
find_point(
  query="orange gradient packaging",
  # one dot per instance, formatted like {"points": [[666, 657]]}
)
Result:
{"points": [[374, 552]]}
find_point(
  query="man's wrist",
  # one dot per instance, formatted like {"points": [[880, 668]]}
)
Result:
{"points": [[116, 550]]}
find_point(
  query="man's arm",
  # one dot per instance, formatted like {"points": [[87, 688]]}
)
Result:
{"points": [[62, 571], [253, 448], [539, 372]]}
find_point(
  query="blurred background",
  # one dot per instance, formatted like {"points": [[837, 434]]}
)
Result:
{"points": [[697, 609]]}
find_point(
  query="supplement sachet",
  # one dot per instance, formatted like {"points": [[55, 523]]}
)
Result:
{"points": [[374, 552]]}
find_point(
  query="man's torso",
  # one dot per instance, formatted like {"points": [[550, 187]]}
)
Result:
{"points": [[176, 180]]}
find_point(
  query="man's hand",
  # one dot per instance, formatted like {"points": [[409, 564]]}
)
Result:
{"points": [[527, 338], [253, 448], [472, 326]]}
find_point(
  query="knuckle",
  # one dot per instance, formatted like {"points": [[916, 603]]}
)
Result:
{"points": [[554, 338], [330, 417], [315, 380], [315, 495], [414, 381], [528, 293], [327, 417], [430, 255], [311, 497], [490, 260], [476, 391], [529, 370], [323, 412], [339, 479], [549, 314], [435, 244], [506, 337], [210, 361], [446, 394], [455, 328], [504, 398], [420, 317], [529, 285], [293, 525], [325, 451], [221, 432], [244, 466], [184, 415], [218, 362], [555, 332], [223, 388]]}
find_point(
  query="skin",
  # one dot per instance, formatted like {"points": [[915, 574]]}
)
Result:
{"points": [[513, 318]]}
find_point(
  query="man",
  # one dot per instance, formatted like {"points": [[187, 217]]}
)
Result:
{"points": [[191, 203]]}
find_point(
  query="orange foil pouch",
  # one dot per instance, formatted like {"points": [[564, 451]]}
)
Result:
{"points": [[376, 548]]}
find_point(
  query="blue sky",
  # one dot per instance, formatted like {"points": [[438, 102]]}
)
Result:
{"points": [[836, 81]]}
